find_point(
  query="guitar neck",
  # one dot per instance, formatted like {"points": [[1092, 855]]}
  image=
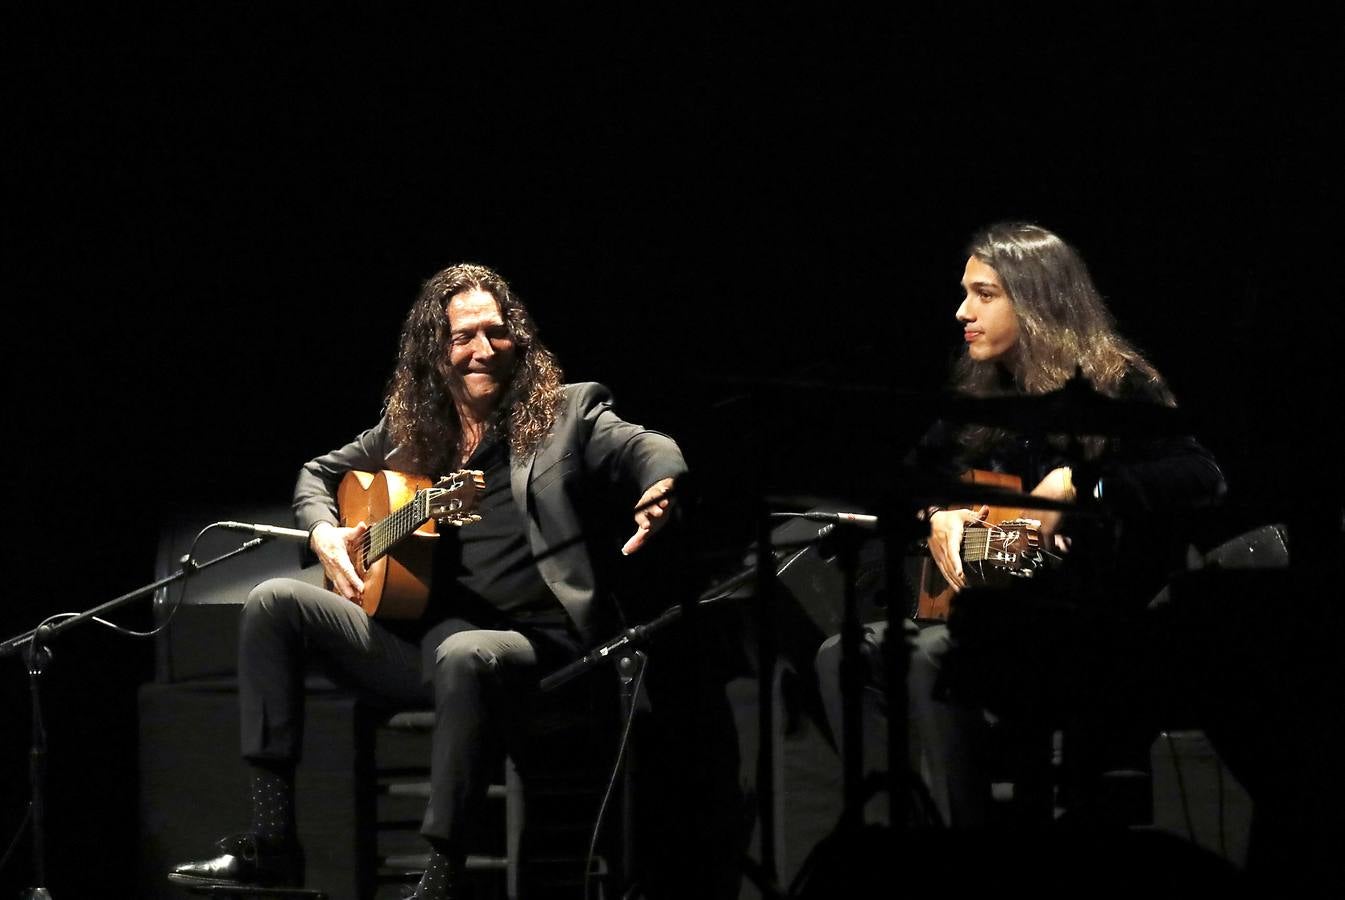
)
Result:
{"points": [[1014, 544], [395, 528], [975, 544]]}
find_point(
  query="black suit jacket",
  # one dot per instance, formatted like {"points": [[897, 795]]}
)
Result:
{"points": [[590, 449]]}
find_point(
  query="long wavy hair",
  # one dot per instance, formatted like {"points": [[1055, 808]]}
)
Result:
{"points": [[420, 410], [1063, 326]]}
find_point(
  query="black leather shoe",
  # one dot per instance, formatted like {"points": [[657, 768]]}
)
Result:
{"points": [[449, 884], [245, 860]]}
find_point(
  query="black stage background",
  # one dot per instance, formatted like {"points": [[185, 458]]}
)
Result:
{"points": [[216, 217]]}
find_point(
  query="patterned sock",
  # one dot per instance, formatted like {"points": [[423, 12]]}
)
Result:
{"points": [[273, 801], [440, 881]]}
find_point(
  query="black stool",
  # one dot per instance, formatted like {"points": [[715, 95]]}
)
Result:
{"points": [[401, 776]]}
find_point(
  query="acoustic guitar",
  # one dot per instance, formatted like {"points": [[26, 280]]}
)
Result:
{"points": [[1003, 546], [396, 558]]}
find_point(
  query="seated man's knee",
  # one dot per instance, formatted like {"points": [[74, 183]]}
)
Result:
{"points": [[928, 651], [463, 654], [271, 598], [929, 647], [828, 657], [830, 654]]}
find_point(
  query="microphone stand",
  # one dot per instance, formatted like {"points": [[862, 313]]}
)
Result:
{"points": [[630, 661], [767, 650], [625, 650], [845, 542], [624, 644], [899, 529], [35, 647]]}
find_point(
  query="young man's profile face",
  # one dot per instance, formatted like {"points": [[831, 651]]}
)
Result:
{"points": [[989, 323]]}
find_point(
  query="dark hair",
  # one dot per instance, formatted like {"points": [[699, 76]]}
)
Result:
{"points": [[420, 410], [1063, 323]]}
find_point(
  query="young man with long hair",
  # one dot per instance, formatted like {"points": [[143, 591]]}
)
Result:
{"points": [[1032, 320]]}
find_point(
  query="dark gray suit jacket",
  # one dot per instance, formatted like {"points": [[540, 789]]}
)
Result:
{"points": [[589, 447]]}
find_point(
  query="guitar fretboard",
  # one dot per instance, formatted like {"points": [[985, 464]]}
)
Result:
{"points": [[1012, 545], [975, 544], [387, 533]]}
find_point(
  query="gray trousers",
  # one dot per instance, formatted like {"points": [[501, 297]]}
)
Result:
{"points": [[474, 678], [949, 736]]}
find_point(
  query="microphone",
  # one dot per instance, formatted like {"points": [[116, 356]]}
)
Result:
{"points": [[860, 520], [271, 531]]}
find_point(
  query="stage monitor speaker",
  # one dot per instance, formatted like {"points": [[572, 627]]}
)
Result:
{"points": [[810, 605]]}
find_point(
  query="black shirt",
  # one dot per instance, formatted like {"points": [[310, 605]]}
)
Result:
{"points": [[485, 572], [1150, 486]]}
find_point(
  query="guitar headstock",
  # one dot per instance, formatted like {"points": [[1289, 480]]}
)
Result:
{"points": [[1015, 546], [453, 499], [1003, 550]]}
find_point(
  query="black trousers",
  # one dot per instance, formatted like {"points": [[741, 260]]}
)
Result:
{"points": [[479, 682]]}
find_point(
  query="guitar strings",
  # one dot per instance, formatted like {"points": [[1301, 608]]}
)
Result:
{"points": [[976, 542], [380, 535]]}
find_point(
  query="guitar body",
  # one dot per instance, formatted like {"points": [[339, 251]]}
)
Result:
{"points": [[397, 585], [935, 594]]}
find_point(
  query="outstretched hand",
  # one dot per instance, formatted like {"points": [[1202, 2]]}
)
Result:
{"points": [[650, 514]]}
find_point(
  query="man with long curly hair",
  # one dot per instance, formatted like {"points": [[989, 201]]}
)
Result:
{"points": [[513, 596]]}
